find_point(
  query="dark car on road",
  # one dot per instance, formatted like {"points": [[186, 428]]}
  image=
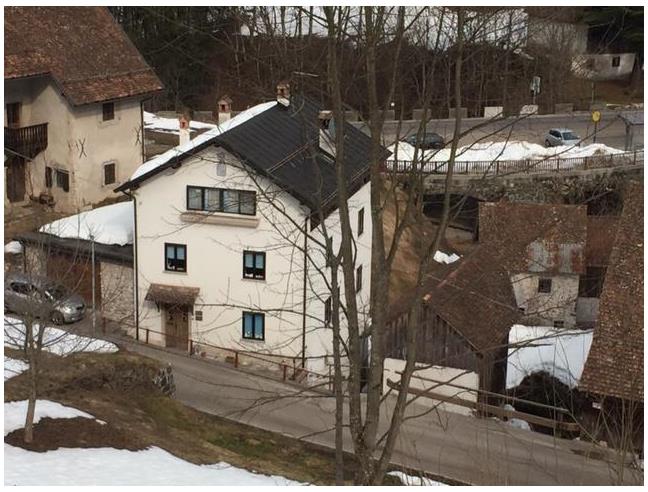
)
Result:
{"points": [[43, 298], [428, 141]]}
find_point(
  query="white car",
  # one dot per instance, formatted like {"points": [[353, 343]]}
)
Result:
{"points": [[561, 136]]}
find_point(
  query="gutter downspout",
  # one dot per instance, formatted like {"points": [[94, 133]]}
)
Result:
{"points": [[142, 131], [303, 361]]}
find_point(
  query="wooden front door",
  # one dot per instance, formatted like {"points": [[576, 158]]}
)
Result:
{"points": [[16, 179], [176, 326]]}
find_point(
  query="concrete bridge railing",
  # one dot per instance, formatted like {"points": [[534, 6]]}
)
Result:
{"points": [[526, 166]]}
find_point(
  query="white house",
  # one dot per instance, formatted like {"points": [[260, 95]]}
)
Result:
{"points": [[74, 86], [222, 223]]}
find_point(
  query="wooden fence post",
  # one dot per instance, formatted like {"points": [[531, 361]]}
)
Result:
{"points": [[147, 335], [236, 362]]}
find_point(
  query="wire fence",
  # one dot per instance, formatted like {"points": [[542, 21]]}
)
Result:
{"points": [[501, 167]]}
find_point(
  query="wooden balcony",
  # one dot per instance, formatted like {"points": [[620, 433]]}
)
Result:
{"points": [[28, 141]]}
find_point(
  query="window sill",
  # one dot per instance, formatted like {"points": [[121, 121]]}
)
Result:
{"points": [[254, 279], [243, 339], [174, 272], [219, 218]]}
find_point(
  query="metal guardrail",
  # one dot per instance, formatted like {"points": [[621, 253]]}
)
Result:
{"points": [[528, 166]]}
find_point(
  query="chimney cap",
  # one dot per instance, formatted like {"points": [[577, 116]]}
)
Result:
{"points": [[225, 99]]}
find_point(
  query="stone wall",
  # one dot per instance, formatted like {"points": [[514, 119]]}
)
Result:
{"points": [[117, 297]]}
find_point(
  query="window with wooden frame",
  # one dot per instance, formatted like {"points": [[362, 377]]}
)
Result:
{"points": [[175, 257], [616, 61], [63, 180], [360, 221], [223, 200], [48, 177], [359, 279], [253, 326], [108, 111], [254, 265], [544, 285], [13, 115], [109, 173]]}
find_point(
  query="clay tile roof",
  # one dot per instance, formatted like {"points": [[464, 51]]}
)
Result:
{"points": [[554, 235], [83, 48], [172, 294], [615, 363], [476, 297]]}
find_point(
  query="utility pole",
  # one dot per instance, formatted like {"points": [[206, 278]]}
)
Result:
{"points": [[94, 299]]}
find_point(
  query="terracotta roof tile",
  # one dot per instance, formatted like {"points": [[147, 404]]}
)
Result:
{"points": [[86, 52], [615, 363]]}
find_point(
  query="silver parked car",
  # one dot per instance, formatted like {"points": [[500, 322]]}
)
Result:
{"points": [[42, 297], [561, 136]]}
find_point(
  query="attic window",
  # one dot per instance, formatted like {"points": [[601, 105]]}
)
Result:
{"points": [[108, 110], [544, 285]]}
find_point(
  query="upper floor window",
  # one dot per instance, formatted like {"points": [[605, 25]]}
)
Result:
{"points": [[175, 257], [360, 221], [221, 200], [254, 265], [108, 110], [359, 279], [253, 326], [109, 173], [616, 61], [544, 285]]}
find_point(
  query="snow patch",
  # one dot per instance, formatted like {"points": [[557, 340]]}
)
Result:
{"points": [[502, 151], [55, 340], [217, 130], [108, 466], [441, 257], [15, 412], [515, 422], [560, 353], [14, 367], [414, 480], [13, 248], [171, 125], [112, 224]]}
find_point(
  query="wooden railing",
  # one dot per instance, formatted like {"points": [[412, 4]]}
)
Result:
{"points": [[498, 168], [27, 141]]}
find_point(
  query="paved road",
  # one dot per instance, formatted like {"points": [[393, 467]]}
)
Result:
{"points": [[611, 129], [478, 451]]}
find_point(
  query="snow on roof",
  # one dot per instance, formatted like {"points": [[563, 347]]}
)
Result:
{"points": [[171, 125], [112, 224], [13, 248], [561, 353], [441, 257], [217, 130], [503, 151]]}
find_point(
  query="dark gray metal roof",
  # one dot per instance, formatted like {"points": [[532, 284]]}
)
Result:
{"points": [[632, 117], [282, 143], [112, 252]]}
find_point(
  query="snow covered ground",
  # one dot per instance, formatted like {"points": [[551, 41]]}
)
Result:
{"points": [[112, 224], [502, 151], [414, 480], [162, 159], [13, 248], [441, 257], [171, 125], [109, 466], [13, 367], [55, 340], [561, 353]]}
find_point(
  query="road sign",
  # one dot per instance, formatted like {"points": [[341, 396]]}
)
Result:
{"points": [[596, 116]]}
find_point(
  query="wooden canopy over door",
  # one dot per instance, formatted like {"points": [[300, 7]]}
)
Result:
{"points": [[176, 326]]}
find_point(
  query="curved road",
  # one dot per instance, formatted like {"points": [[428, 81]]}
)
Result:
{"points": [[478, 451]]}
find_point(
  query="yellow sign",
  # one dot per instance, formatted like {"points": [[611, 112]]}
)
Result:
{"points": [[596, 116]]}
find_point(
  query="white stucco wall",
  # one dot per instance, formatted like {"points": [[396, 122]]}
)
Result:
{"points": [[600, 67], [459, 377], [545, 308], [215, 260], [78, 142]]}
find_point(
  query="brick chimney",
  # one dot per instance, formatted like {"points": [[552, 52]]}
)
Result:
{"points": [[283, 93], [184, 122], [224, 109]]}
